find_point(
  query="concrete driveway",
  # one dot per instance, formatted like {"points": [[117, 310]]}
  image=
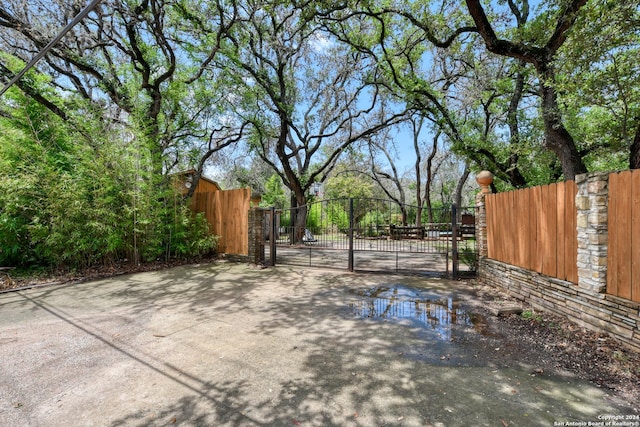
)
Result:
{"points": [[230, 345]]}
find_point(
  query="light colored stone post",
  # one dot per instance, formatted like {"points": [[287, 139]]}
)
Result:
{"points": [[593, 236], [484, 180]]}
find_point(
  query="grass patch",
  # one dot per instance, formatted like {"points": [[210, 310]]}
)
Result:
{"points": [[531, 315]]}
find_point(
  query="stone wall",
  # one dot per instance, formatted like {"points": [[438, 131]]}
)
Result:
{"points": [[585, 302], [596, 311]]}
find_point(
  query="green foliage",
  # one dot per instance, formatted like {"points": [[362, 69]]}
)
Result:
{"points": [[285, 219], [344, 185], [337, 215], [314, 216], [69, 203], [190, 234], [530, 315], [469, 257], [374, 223], [374, 218], [599, 83], [73, 197], [274, 193]]}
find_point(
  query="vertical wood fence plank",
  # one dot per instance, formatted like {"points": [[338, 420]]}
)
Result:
{"points": [[216, 214], [624, 240], [499, 241], [242, 221], [505, 235], [513, 227], [496, 229], [552, 208], [518, 220], [504, 212], [493, 247], [503, 219], [543, 229], [537, 236], [561, 231], [497, 249], [532, 229], [622, 257], [548, 233], [635, 236], [523, 223], [614, 233], [571, 243], [508, 235], [214, 210], [490, 217]]}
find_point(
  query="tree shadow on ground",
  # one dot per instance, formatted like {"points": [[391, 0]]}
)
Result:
{"points": [[298, 350], [346, 370]]}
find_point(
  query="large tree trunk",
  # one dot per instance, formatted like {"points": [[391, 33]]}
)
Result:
{"points": [[634, 152], [460, 185], [516, 178], [301, 217], [430, 173], [557, 137], [299, 212], [417, 165]]}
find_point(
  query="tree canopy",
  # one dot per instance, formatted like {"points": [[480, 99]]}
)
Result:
{"points": [[293, 91]]}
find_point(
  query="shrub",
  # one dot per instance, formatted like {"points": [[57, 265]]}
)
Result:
{"points": [[67, 204]]}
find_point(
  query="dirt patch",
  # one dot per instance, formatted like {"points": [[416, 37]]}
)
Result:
{"points": [[551, 344], [13, 279]]}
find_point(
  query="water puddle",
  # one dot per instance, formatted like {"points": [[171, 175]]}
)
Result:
{"points": [[420, 307]]}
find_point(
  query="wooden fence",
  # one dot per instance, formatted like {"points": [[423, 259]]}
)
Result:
{"points": [[535, 229], [623, 258], [227, 212]]}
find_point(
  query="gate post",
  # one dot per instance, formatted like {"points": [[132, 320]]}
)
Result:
{"points": [[273, 235], [256, 235], [592, 205], [351, 226], [484, 180], [454, 242]]}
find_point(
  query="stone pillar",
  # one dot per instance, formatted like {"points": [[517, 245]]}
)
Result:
{"points": [[255, 200], [256, 236], [592, 217], [484, 180]]}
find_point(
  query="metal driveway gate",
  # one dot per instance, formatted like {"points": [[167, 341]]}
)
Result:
{"points": [[373, 235]]}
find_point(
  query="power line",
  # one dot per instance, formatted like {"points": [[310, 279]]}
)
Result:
{"points": [[52, 43]]}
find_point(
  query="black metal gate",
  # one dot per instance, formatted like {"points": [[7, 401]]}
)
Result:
{"points": [[373, 235]]}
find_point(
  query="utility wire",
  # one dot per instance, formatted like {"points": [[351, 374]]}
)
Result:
{"points": [[52, 43]]}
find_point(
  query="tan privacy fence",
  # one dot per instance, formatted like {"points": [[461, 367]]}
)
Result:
{"points": [[623, 259], [535, 229], [227, 212], [586, 233]]}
